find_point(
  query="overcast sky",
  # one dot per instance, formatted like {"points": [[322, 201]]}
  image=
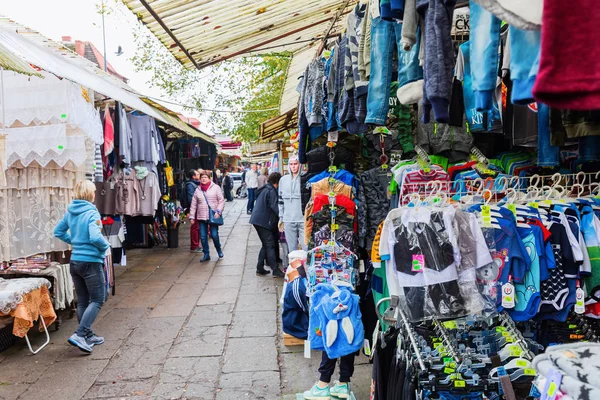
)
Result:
{"points": [[81, 20]]}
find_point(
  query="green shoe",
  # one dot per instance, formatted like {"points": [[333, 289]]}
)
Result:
{"points": [[316, 393], [340, 391]]}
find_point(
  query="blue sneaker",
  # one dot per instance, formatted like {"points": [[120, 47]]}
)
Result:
{"points": [[340, 391], [316, 393], [95, 340], [80, 342]]}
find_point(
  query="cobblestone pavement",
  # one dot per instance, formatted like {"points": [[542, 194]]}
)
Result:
{"points": [[177, 329]]}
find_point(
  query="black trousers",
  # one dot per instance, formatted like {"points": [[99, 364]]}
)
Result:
{"points": [[269, 249], [328, 367]]}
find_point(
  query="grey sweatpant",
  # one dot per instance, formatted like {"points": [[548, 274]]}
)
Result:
{"points": [[294, 235]]}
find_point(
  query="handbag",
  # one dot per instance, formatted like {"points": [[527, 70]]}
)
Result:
{"points": [[212, 220]]}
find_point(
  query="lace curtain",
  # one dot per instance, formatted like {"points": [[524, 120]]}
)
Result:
{"points": [[36, 101], [31, 205]]}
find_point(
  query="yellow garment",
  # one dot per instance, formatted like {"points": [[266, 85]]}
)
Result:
{"points": [[308, 222], [35, 303], [375, 256], [323, 187]]}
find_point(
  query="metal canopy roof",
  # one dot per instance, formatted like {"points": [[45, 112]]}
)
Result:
{"points": [[275, 127], [200, 33]]}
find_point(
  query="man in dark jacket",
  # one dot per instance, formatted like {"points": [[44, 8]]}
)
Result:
{"points": [[190, 188], [265, 219], [227, 186]]}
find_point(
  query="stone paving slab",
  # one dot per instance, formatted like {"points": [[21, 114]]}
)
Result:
{"points": [[218, 296], [254, 324], [251, 355], [200, 342], [249, 385], [211, 315]]}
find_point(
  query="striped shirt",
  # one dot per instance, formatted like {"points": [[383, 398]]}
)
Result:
{"points": [[416, 182]]}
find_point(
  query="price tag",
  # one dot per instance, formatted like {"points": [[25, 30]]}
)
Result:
{"points": [[460, 384], [307, 349], [332, 136], [418, 263], [522, 363], [529, 372], [436, 345], [486, 216], [553, 380], [516, 351], [508, 295], [533, 204], [63, 116], [451, 325], [500, 329], [579, 301], [447, 360], [512, 208], [334, 227], [449, 370], [367, 347]]}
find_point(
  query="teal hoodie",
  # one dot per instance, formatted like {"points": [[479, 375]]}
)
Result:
{"points": [[79, 228]]}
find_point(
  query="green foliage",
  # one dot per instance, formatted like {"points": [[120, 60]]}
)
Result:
{"points": [[244, 84]]}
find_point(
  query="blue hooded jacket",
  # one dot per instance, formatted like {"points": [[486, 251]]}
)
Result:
{"points": [[80, 227]]}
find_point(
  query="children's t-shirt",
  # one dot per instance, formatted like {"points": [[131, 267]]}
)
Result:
{"points": [[527, 293], [510, 258]]}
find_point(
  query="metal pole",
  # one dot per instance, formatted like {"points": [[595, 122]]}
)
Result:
{"points": [[104, 34]]}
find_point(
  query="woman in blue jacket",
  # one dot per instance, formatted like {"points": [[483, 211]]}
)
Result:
{"points": [[81, 227]]}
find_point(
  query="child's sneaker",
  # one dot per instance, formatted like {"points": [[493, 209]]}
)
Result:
{"points": [[317, 393], [340, 391]]}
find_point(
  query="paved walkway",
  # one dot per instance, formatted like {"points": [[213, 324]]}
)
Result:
{"points": [[177, 329]]}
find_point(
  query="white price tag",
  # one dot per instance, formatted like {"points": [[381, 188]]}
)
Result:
{"points": [[361, 266], [579, 301], [112, 185], [367, 347], [508, 295], [332, 136], [307, 349]]}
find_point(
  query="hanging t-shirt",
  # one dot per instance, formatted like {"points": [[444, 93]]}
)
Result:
{"points": [[478, 121], [554, 290], [510, 258], [527, 293]]}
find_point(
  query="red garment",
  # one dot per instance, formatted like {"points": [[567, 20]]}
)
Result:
{"points": [[455, 169], [195, 236], [205, 187], [322, 200], [109, 132], [569, 73]]}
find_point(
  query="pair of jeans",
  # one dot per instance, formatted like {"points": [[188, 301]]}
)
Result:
{"points": [[548, 156], [385, 36], [484, 39], [269, 249], [194, 236], [294, 235], [327, 367], [251, 199], [228, 195], [524, 63], [214, 234], [90, 287]]}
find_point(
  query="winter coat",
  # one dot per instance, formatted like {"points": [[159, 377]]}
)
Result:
{"points": [[82, 229], [199, 209], [262, 180], [266, 208]]}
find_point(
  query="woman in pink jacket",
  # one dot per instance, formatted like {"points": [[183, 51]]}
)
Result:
{"points": [[207, 191]]}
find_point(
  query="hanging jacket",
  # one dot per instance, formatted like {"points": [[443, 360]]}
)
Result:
{"points": [[294, 318]]}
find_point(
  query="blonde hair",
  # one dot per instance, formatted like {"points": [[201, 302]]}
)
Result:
{"points": [[265, 171], [85, 190]]}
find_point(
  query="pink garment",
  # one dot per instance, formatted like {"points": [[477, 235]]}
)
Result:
{"points": [[109, 132], [569, 72], [199, 209]]}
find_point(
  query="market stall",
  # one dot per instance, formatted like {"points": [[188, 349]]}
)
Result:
{"points": [[451, 202]]}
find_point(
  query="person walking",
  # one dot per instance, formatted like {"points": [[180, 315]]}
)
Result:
{"points": [[190, 188], [81, 227], [251, 180], [263, 177], [228, 186], [207, 196], [265, 220], [291, 215]]}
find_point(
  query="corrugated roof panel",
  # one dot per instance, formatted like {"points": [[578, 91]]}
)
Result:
{"points": [[300, 60], [11, 62], [203, 32]]}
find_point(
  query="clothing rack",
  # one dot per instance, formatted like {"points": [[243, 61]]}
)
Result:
{"points": [[391, 315]]}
